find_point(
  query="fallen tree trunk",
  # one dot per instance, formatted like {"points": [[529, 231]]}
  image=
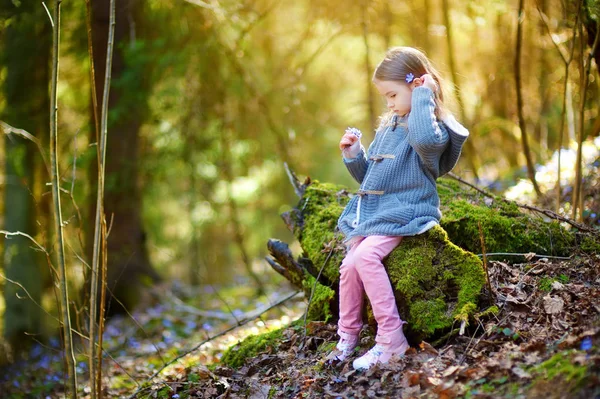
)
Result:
{"points": [[436, 277], [435, 282]]}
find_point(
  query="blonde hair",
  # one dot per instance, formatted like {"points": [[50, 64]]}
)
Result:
{"points": [[402, 61]]}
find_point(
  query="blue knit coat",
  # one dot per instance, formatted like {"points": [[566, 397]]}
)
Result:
{"points": [[398, 194]]}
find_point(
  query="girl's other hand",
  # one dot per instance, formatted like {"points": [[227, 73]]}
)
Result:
{"points": [[428, 81]]}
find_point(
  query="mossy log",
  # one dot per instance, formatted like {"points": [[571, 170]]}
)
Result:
{"points": [[436, 276], [435, 282], [505, 227]]}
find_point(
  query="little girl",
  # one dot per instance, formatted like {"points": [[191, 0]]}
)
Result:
{"points": [[416, 142]]}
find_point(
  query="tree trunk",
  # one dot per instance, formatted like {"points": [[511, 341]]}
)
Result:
{"points": [[364, 12], [470, 150], [26, 56], [522, 122], [128, 261]]}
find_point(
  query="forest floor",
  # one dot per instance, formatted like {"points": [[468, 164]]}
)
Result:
{"points": [[543, 343]]}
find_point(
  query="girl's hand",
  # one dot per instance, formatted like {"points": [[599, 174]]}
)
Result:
{"points": [[350, 143], [428, 81]]}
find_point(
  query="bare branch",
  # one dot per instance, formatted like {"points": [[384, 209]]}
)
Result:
{"points": [[18, 233], [8, 129]]}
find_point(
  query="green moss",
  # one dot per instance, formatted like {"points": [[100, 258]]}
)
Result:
{"points": [[321, 207], [435, 281], [491, 311], [428, 316], [545, 284], [504, 227], [319, 308], [236, 355], [561, 375], [561, 365], [590, 245]]}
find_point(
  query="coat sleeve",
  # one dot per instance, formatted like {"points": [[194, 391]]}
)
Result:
{"points": [[357, 166], [426, 135]]}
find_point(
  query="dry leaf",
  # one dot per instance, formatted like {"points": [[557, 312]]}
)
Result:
{"points": [[449, 371], [529, 256], [553, 304], [519, 372]]}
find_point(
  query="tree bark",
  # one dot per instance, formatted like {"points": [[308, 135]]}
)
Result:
{"points": [[128, 261], [26, 57]]}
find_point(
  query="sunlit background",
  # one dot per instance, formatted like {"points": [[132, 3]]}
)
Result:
{"points": [[210, 99]]}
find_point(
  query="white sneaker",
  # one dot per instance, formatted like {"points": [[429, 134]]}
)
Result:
{"points": [[343, 349], [369, 359], [396, 344]]}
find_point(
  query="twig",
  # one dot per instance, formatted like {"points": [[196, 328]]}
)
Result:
{"points": [[239, 324], [216, 292], [58, 225], [525, 255], [190, 309], [29, 295], [18, 233], [49, 15], [469, 344], [8, 129], [298, 189], [485, 263]]}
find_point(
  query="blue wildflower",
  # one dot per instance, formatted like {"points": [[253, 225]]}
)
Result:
{"points": [[586, 344]]}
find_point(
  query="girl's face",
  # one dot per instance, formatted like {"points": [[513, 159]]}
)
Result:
{"points": [[397, 95]]}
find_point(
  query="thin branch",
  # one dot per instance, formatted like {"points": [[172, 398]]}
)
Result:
{"points": [[525, 255], [179, 304], [8, 129], [577, 202], [239, 324], [99, 256], [485, 261], [544, 19], [49, 15], [18, 233], [58, 225], [255, 22], [202, 4]]}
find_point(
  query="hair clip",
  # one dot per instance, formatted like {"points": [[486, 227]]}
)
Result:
{"points": [[409, 77], [354, 131]]}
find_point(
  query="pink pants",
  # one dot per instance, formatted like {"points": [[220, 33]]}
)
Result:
{"points": [[362, 271]]}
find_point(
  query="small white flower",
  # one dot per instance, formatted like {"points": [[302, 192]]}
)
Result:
{"points": [[354, 131]]}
